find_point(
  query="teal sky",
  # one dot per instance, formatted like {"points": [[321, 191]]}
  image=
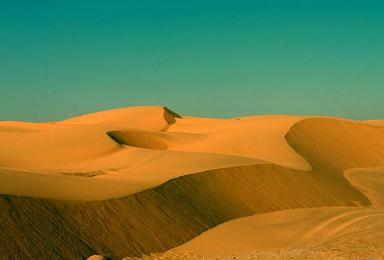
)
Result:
{"points": [[208, 58]]}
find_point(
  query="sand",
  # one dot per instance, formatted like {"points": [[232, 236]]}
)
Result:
{"points": [[139, 148], [310, 233], [182, 187], [297, 228]]}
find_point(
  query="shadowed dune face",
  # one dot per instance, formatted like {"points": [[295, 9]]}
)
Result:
{"points": [[164, 217], [170, 116], [140, 139], [157, 140], [370, 181], [336, 145]]}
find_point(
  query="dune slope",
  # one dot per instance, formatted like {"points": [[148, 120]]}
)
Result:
{"points": [[164, 217], [337, 145], [370, 181], [282, 229]]}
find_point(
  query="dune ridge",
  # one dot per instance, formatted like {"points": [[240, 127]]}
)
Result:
{"points": [[337, 145], [184, 207], [308, 233], [331, 146]]}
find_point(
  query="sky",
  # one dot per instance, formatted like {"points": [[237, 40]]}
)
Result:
{"points": [[213, 58]]}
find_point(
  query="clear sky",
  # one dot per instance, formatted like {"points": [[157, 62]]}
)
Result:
{"points": [[61, 58]]}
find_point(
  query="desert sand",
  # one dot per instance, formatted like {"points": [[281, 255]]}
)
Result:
{"points": [[148, 182]]}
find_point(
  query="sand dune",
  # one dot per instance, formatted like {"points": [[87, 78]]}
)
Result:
{"points": [[99, 181], [83, 145], [15, 126], [73, 140], [153, 180], [164, 217], [370, 181], [365, 244], [260, 137], [337, 145], [299, 227], [374, 122], [142, 139], [309, 233], [149, 117], [156, 140]]}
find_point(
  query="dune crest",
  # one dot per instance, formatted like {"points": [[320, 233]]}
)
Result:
{"points": [[337, 145], [184, 208], [146, 117]]}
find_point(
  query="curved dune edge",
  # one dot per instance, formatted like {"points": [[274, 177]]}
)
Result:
{"points": [[184, 208], [139, 138], [365, 244], [158, 140], [298, 233], [337, 145], [260, 137], [103, 184], [281, 230], [369, 181]]}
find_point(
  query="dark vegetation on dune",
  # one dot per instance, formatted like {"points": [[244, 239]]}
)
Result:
{"points": [[166, 216]]}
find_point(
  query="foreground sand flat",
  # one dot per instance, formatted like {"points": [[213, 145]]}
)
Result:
{"points": [[310, 233], [144, 180], [281, 229]]}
